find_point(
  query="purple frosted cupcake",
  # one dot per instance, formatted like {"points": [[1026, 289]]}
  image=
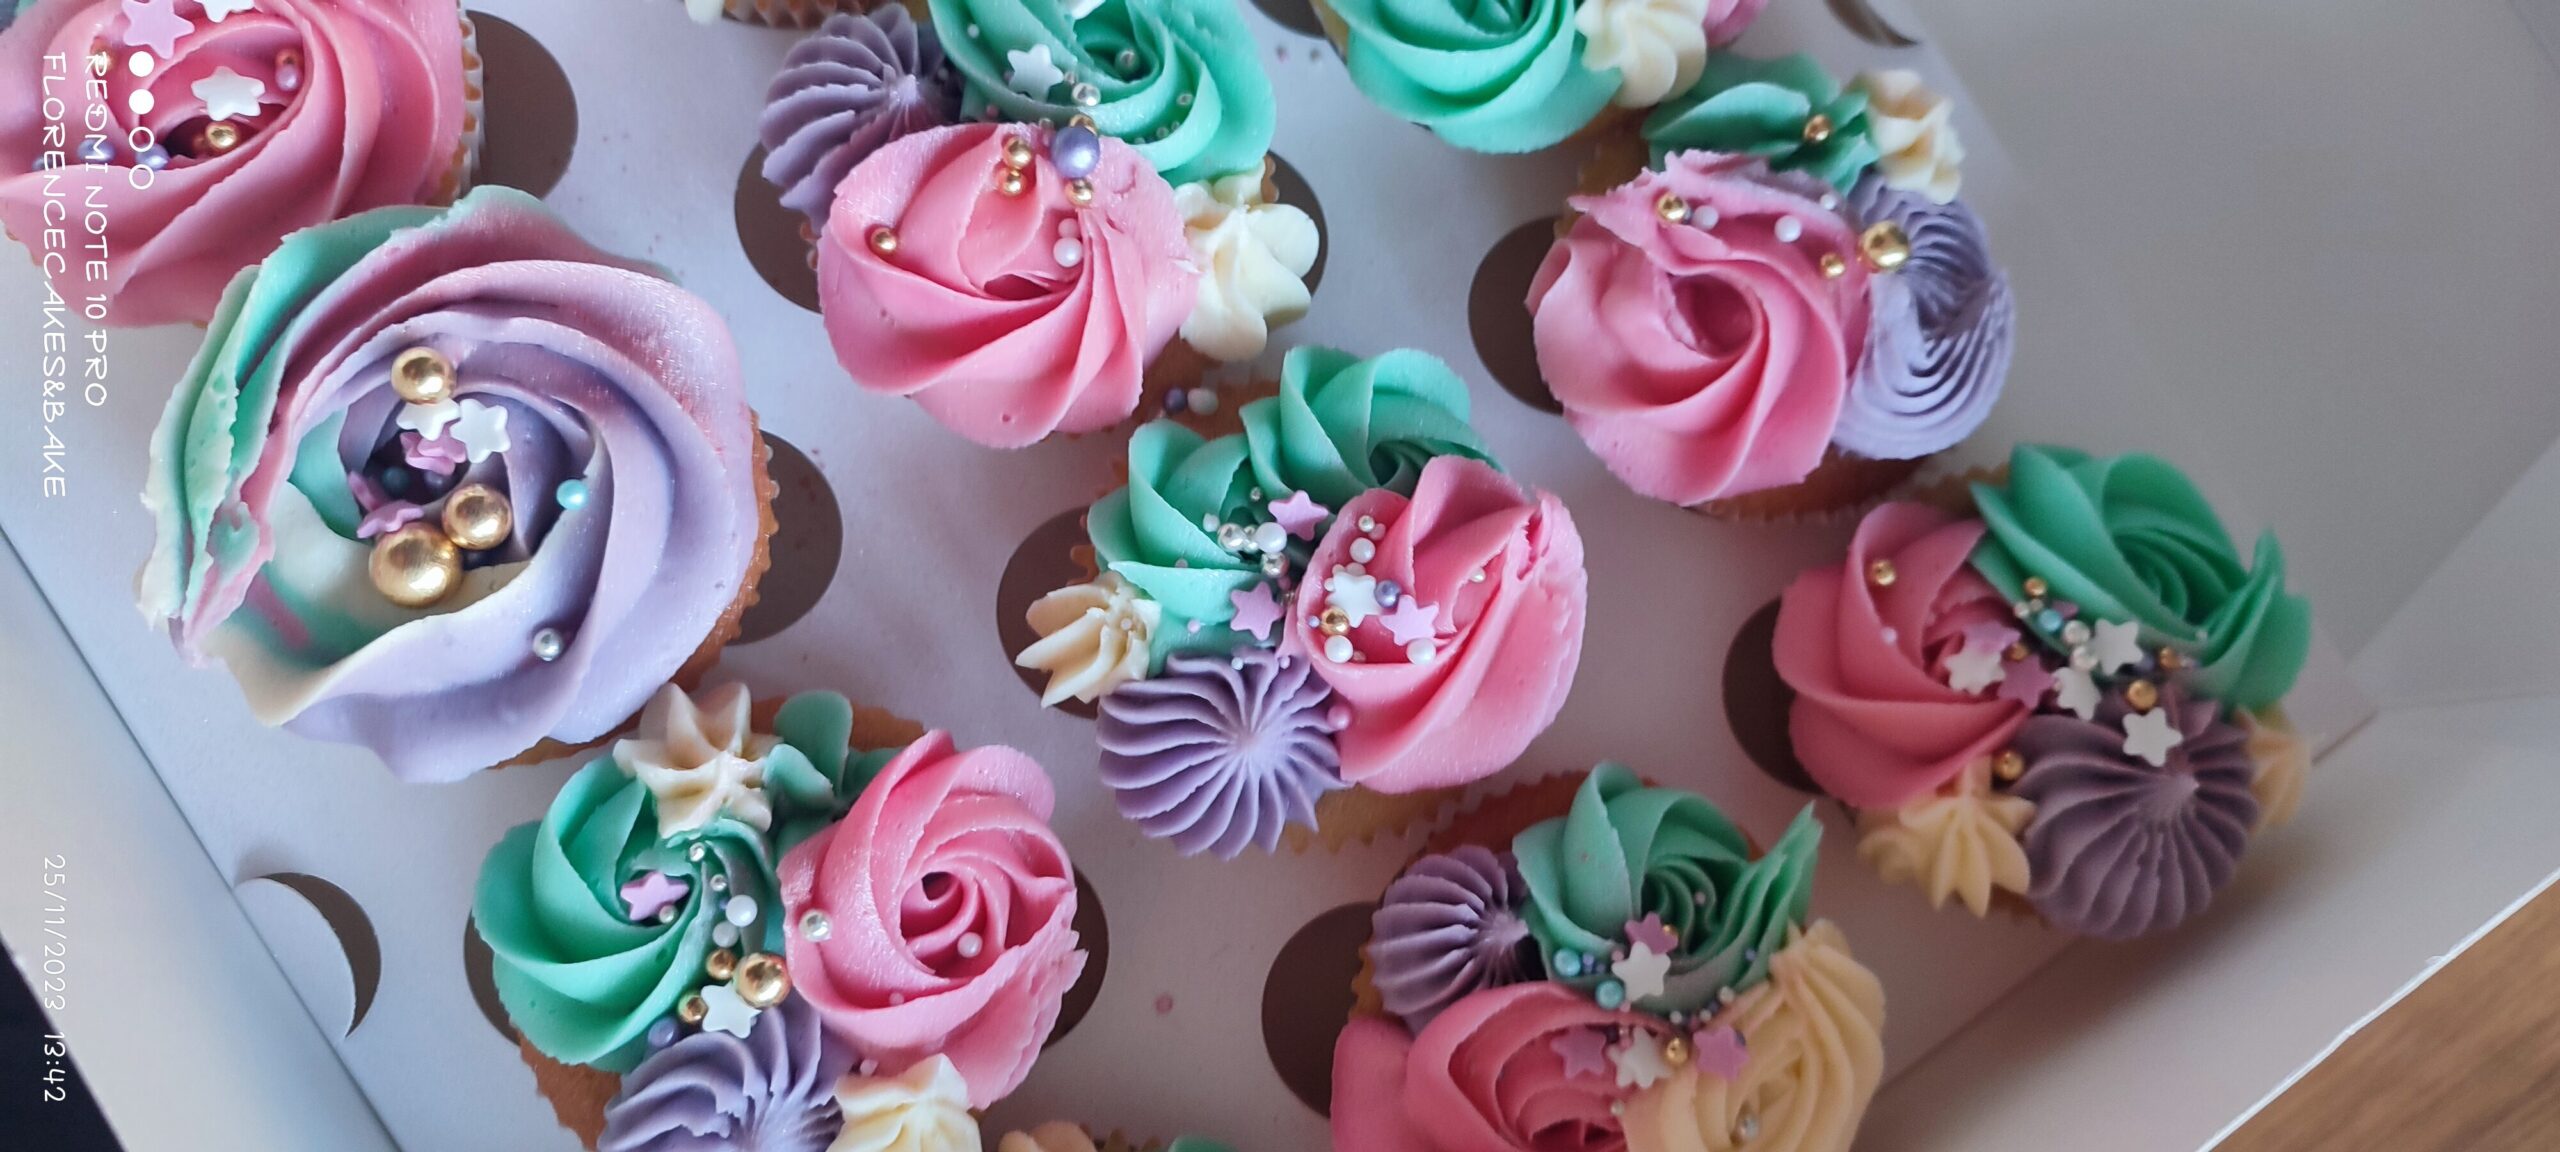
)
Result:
{"points": [[1220, 753]]}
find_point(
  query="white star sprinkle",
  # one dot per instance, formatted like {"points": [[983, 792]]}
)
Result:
{"points": [[482, 428], [428, 420], [221, 10], [1034, 73], [2076, 691], [2116, 645], [1356, 593], [1642, 972], [729, 1013], [227, 94], [1639, 1062], [1974, 669], [2150, 736]]}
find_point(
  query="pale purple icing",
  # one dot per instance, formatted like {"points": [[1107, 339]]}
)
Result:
{"points": [[1450, 926], [1221, 752], [1943, 330], [860, 81], [773, 1091], [2119, 848]]}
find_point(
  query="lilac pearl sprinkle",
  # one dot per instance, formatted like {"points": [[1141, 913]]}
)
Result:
{"points": [[1076, 151]]}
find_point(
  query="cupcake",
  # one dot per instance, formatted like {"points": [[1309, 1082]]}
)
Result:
{"points": [[2067, 702], [1618, 973], [228, 127], [782, 928], [1331, 617], [1026, 221], [1058, 1136], [1790, 309], [1524, 77], [456, 486]]}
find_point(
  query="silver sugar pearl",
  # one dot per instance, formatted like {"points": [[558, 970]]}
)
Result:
{"points": [[548, 645], [815, 926]]}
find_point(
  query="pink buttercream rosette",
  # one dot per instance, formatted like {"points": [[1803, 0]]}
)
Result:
{"points": [[1487, 1075], [361, 104], [1688, 326], [1008, 317], [949, 904], [1499, 569], [1864, 644]]}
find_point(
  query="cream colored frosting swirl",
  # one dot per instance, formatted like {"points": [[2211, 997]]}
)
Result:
{"points": [[924, 1109], [1253, 257], [1962, 841], [1054, 1136], [1912, 129], [700, 758], [1093, 638], [1815, 1033], [2284, 764], [1658, 46]]}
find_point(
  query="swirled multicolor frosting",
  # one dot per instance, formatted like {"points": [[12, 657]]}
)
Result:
{"points": [[1945, 327], [1221, 753], [605, 403], [771, 1091], [326, 108], [1787, 111], [1180, 80], [860, 81]]}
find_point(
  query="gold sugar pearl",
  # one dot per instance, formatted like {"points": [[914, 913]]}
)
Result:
{"points": [[1817, 128], [1080, 120], [415, 566], [884, 240], [1010, 182], [1672, 209], [1017, 153], [1675, 1051], [693, 1010], [2009, 765], [221, 136], [2171, 659], [2035, 587], [2017, 653], [422, 375], [1882, 574], [1080, 192], [762, 980], [721, 965], [1334, 621], [2143, 695], [477, 518], [1885, 245], [1833, 267]]}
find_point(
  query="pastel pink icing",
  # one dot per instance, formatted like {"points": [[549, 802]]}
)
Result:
{"points": [[1505, 647], [975, 315], [1485, 1076], [942, 846], [1706, 358], [1875, 721], [1728, 19], [377, 120]]}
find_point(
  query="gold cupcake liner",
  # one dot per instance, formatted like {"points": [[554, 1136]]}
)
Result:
{"points": [[466, 151], [783, 13]]}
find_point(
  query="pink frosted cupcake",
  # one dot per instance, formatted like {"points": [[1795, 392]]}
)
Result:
{"points": [[233, 124]]}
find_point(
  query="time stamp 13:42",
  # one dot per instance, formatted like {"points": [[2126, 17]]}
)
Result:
{"points": [[50, 978]]}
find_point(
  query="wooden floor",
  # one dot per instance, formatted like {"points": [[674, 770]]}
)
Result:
{"points": [[2469, 1062]]}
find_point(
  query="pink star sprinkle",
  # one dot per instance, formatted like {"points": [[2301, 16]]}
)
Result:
{"points": [[441, 455], [1990, 634], [388, 517], [367, 493], [1412, 620], [1719, 1052], [155, 24], [1257, 611], [1651, 933], [1299, 514], [2027, 682], [650, 893], [1585, 1052]]}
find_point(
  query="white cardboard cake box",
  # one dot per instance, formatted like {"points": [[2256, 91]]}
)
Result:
{"points": [[205, 999]]}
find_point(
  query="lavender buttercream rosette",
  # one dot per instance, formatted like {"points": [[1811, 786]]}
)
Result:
{"points": [[860, 81], [770, 1091], [1450, 926], [1221, 752], [600, 405], [1943, 330], [2121, 847]]}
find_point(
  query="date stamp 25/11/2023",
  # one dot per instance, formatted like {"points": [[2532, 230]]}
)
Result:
{"points": [[48, 975]]}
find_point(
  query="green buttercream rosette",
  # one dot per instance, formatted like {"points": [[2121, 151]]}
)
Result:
{"points": [[1342, 425], [2130, 538], [1625, 851], [1160, 533], [1179, 80], [578, 978], [813, 777], [1487, 75], [1760, 108]]}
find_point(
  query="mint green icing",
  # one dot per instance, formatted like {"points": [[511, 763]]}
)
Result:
{"points": [[813, 777], [1759, 108], [320, 476], [1487, 75], [1196, 1144], [2130, 538], [579, 980], [1180, 80], [1342, 425], [1151, 532], [1625, 850]]}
